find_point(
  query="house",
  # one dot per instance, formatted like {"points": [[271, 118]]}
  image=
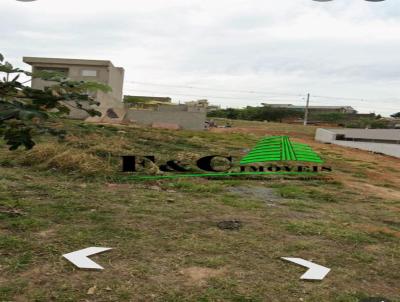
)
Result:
{"points": [[101, 71], [315, 109], [212, 108], [385, 141]]}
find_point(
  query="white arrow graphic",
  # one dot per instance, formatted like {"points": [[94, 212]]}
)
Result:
{"points": [[315, 272], [81, 260]]}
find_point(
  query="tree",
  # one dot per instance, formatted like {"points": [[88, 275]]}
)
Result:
{"points": [[26, 112], [396, 115], [229, 113], [264, 113]]}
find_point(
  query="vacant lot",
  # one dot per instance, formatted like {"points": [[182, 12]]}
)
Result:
{"points": [[65, 196]]}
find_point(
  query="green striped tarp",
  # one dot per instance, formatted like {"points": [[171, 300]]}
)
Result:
{"points": [[280, 148]]}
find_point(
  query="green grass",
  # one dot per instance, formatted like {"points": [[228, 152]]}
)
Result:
{"points": [[240, 202], [309, 193], [330, 231], [159, 229]]}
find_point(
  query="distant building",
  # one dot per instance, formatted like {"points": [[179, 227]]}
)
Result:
{"points": [[315, 109], [393, 123], [90, 70], [204, 104], [199, 105], [212, 108], [138, 101]]}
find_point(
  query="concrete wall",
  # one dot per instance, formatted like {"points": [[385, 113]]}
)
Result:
{"points": [[181, 107], [186, 120], [377, 134], [388, 149], [116, 82], [325, 136], [172, 108], [76, 113], [393, 135]]}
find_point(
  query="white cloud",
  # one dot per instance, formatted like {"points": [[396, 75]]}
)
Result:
{"points": [[340, 48]]}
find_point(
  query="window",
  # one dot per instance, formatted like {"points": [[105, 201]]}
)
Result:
{"points": [[89, 73]]}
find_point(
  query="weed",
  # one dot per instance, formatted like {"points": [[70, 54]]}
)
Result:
{"points": [[330, 231], [13, 243], [360, 175], [363, 257], [237, 202], [300, 206], [194, 187], [292, 192]]}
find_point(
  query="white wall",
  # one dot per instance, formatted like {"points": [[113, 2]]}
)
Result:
{"points": [[325, 136], [388, 149], [329, 136]]}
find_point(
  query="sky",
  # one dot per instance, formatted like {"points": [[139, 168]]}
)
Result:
{"points": [[234, 53]]}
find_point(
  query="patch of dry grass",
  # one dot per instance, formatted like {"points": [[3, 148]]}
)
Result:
{"points": [[59, 158], [76, 161]]}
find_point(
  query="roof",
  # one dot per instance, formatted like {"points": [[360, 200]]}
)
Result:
{"points": [[62, 61]]}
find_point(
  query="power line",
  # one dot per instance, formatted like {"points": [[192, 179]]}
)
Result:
{"points": [[199, 96], [261, 93], [343, 98], [237, 98], [215, 89]]}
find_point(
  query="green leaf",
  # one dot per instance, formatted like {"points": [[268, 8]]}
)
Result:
{"points": [[19, 135], [29, 114], [49, 75], [8, 114], [93, 112], [15, 79], [94, 86]]}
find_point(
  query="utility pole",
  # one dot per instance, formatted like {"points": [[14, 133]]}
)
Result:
{"points": [[306, 110]]}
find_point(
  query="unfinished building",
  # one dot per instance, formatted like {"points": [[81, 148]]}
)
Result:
{"points": [[88, 70], [150, 111]]}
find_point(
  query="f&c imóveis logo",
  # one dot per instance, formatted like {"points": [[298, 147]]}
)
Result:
{"points": [[273, 155]]}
